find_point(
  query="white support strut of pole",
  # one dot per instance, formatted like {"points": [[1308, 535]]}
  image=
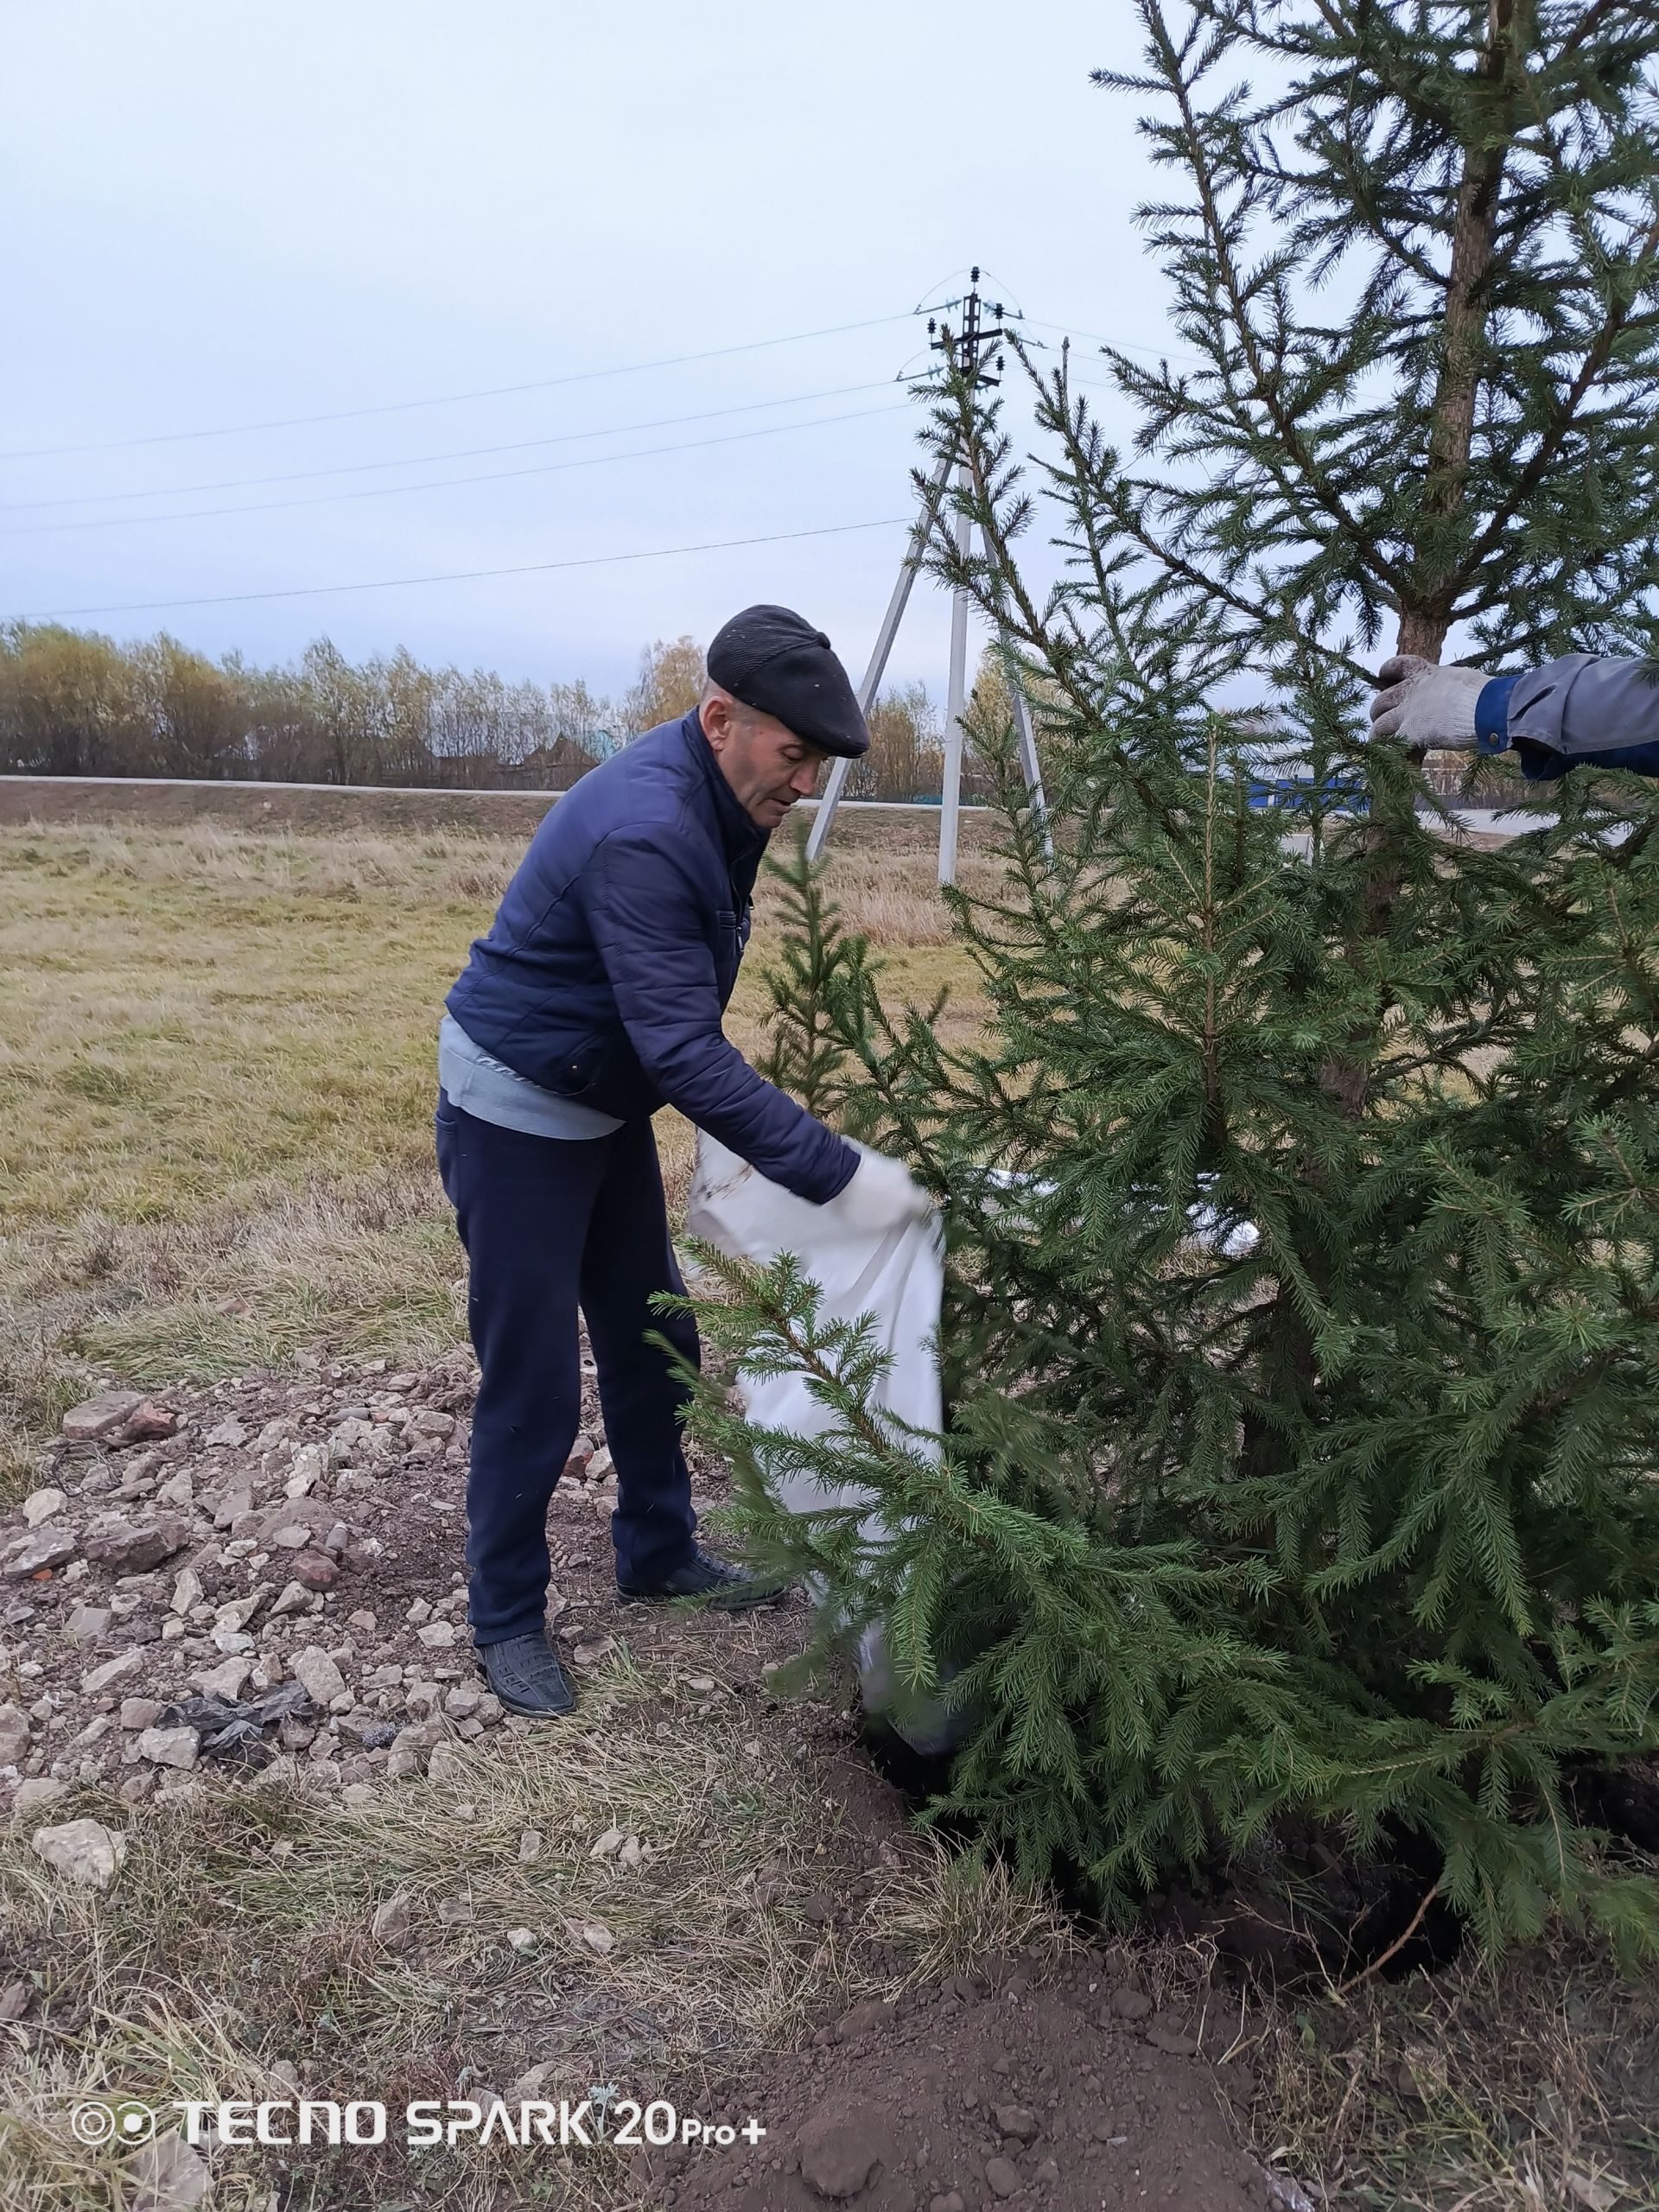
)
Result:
{"points": [[956, 699], [878, 663], [1031, 766]]}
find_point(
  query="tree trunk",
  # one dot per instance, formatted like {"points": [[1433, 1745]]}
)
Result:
{"points": [[1427, 617], [1425, 611]]}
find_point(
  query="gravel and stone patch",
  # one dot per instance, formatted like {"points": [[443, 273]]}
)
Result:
{"points": [[209, 1585]]}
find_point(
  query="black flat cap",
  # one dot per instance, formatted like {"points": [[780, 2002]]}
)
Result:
{"points": [[776, 663]]}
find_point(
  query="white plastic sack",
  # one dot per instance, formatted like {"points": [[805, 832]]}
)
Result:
{"points": [[898, 1280]]}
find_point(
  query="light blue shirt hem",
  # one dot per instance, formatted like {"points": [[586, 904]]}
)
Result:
{"points": [[492, 1091]]}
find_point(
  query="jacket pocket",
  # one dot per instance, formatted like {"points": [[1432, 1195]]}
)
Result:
{"points": [[576, 1071]]}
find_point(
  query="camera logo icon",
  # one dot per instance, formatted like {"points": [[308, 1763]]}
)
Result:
{"points": [[122, 2120]]}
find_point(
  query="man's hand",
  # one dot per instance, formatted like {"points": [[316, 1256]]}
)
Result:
{"points": [[882, 1195], [1426, 705]]}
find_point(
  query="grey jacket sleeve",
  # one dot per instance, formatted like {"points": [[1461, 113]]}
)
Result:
{"points": [[1584, 710]]}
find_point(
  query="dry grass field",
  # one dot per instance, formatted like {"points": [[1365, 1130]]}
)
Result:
{"points": [[216, 1064], [217, 1069]]}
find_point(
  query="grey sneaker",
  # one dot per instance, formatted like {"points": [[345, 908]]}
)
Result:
{"points": [[526, 1675], [715, 1580]]}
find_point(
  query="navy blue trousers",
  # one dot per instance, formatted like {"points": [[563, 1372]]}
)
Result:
{"points": [[552, 1226]]}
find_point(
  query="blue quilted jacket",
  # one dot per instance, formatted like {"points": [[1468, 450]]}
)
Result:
{"points": [[615, 951]]}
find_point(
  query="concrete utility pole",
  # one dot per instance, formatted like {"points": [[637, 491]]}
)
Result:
{"points": [[965, 350]]}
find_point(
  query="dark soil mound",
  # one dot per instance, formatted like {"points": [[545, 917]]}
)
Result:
{"points": [[1064, 2095]]}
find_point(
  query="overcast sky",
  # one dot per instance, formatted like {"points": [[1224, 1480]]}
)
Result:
{"points": [[224, 216]]}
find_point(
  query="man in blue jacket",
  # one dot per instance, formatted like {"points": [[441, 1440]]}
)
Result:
{"points": [[596, 998]]}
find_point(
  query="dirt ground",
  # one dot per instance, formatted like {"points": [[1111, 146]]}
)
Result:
{"points": [[697, 1888], [292, 1532], [1025, 2087]]}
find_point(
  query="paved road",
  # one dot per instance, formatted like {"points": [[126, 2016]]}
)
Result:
{"points": [[408, 791]]}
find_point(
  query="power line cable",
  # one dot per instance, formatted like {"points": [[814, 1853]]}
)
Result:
{"points": [[454, 398], [464, 575], [455, 453], [1121, 345], [443, 483]]}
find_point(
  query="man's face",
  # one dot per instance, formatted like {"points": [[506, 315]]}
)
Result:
{"points": [[768, 765]]}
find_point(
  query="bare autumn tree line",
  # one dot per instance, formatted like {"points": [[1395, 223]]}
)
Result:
{"points": [[76, 704]]}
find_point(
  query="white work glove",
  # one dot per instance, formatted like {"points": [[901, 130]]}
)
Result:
{"points": [[883, 1194], [1426, 705]]}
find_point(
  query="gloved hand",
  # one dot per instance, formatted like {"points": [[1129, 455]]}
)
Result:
{"points": [[1426, 705], [882, 1195]]}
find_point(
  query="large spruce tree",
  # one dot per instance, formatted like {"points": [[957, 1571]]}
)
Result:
{"points": [[1302, 1327]]}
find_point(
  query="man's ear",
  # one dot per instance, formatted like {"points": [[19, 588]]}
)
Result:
{"points": [[717, 714]]}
